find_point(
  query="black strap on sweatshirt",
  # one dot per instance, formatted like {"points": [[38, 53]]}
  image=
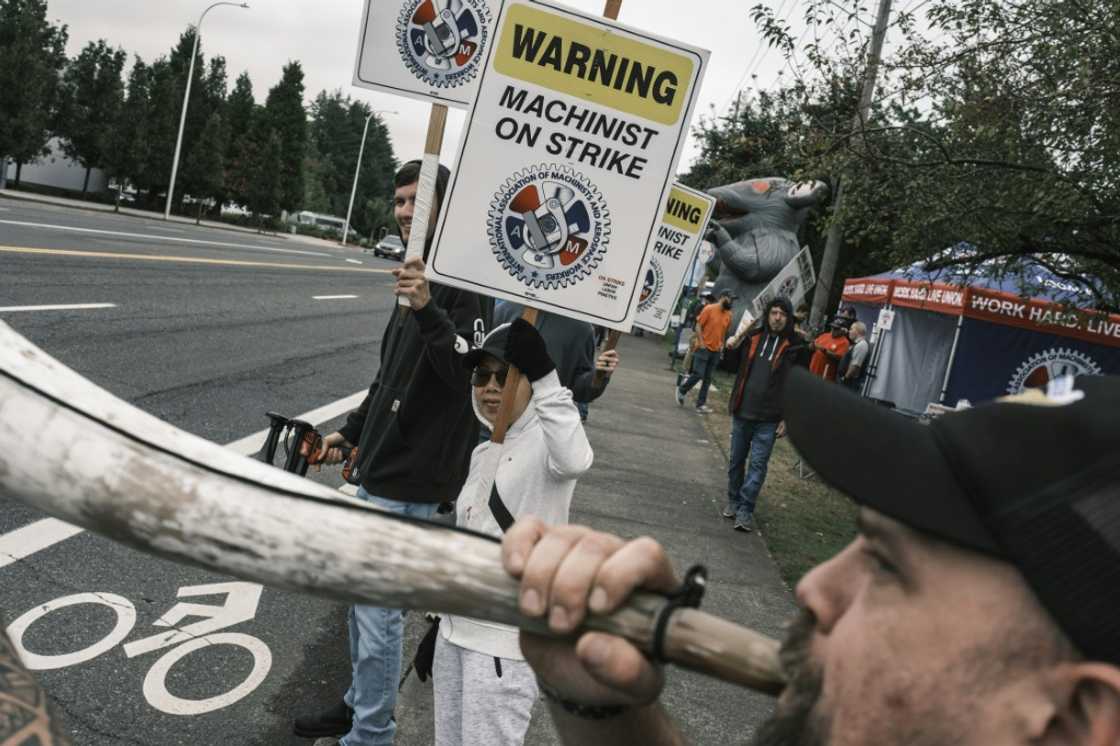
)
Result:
{"points": [[498, 508]]}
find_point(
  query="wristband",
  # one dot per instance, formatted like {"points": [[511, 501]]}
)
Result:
{"points": [[587, 712]]}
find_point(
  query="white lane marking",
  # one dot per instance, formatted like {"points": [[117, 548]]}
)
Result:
{"points": [[353, 261], [199, 241], [34, 537], [333, 297], [250, 444], [46, 532], [60, 307]]}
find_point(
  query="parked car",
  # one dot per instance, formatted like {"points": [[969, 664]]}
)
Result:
{"points": [[390, 247]]}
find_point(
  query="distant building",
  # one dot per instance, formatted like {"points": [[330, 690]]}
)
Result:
{"points": [[59, 172], [321, 221]]}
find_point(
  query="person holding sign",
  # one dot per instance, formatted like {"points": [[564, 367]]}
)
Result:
{"points": [[414, 433], [484, 690]]}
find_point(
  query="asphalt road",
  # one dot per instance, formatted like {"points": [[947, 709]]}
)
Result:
{"points": [[208, 329]]}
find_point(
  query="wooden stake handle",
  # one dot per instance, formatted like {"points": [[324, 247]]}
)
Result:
{"points": [[422, 214], [601, 376], [612, 8], [509, 391]]}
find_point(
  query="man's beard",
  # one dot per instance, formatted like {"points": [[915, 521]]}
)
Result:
{"points": [[795, 723]]}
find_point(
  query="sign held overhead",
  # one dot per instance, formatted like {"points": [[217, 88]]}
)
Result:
{"points": [[426, 49], [566, 163]]}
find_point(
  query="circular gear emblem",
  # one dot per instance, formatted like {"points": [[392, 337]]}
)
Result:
{"points": [[443, 41], [1042, 367], [789, 286], [651, 287], [549, 226]]}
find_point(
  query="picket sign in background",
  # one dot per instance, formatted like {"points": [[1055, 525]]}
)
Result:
{"points": [[671, 256]]}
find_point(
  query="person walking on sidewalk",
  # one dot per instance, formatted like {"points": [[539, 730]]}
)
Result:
{"points": [[773, 347], [414, 432], [713, 324], [484, 690]]}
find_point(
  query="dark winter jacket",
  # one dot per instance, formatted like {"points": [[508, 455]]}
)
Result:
{"points": [[416, 428], [792, 350]]}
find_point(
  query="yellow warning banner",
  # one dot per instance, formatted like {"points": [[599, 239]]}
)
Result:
{"points": [[587, 60], [686, 211]]}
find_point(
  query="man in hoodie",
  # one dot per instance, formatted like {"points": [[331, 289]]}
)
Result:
{"points": [[414, 433], [484, 690], [772, 348]]}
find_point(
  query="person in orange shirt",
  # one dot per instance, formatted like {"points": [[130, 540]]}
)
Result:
{"points": [[713, 324], [829, 348]]}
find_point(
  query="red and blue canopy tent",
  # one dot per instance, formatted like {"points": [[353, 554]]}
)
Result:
{"points": [[978, 335]]}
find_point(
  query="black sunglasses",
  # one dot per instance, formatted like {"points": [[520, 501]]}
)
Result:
{"points": [[481, 376]]}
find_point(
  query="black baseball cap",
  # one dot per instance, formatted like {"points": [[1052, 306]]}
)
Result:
{"points": [[1032, 479], [495, 343]]}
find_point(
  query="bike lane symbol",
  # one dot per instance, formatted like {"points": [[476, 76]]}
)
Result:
{"points": [[240, 606]]}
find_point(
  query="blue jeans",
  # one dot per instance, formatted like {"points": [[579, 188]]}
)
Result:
{"points": [[703, 365], [375, 653], [753, 439]]}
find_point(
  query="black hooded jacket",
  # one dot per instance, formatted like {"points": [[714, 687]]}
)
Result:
{"points": [[415, 429], [791, 351]]}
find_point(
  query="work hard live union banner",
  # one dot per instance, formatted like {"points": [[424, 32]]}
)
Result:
{"points": [[1010, 343], [566, 163]]}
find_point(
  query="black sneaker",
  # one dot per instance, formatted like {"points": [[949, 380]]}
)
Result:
{"points": [[333, 722], [744, 526]]}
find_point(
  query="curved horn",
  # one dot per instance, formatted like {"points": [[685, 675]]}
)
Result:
{"points": [[113, 469]]}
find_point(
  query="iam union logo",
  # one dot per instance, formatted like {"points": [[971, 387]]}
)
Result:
{"points": [[651, 288], [549, 226], [1043, 367], [442, 41]]}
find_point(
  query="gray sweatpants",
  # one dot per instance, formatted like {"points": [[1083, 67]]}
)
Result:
{"points": [[476, 707]]}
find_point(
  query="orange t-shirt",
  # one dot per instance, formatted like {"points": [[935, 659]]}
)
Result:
{"points": [[714, 323], [820, 365]]}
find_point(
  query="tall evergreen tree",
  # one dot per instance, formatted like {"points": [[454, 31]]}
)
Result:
{"points": [[89, 106], [289, 120], [204, 175], [266, 190], [32, 55], [164, 100], [128, 146]]}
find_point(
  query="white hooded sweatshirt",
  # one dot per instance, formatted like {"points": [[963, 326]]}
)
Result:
{"points": [[544, 453]]}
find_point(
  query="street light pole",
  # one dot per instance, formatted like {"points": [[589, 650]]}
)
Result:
{"points": [[358, 170], [186, 99]]}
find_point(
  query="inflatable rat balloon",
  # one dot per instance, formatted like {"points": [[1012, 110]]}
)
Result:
{"points": [[755, 232]]}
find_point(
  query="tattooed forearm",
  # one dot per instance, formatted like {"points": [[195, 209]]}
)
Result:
{"points": [[25, 719]]}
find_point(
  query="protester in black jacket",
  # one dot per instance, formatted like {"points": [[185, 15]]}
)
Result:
{"points": [[772, 348], [414, 432]]}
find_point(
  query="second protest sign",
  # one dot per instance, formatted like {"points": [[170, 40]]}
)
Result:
{"points": [[566, 161], [678, 239]]}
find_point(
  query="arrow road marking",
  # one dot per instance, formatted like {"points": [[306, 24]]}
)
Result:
{"points": [[240, 606]]}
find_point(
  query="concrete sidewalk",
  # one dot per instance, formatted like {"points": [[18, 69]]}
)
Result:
{"points": [[658, 473], [77, 204]]}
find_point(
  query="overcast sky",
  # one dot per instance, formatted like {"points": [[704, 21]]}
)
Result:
{"points": [[323, 36]]}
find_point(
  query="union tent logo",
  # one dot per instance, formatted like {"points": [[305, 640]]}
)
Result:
{"points": [[549, 226], [651, 288], [443, 41], [1041, 368]]}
